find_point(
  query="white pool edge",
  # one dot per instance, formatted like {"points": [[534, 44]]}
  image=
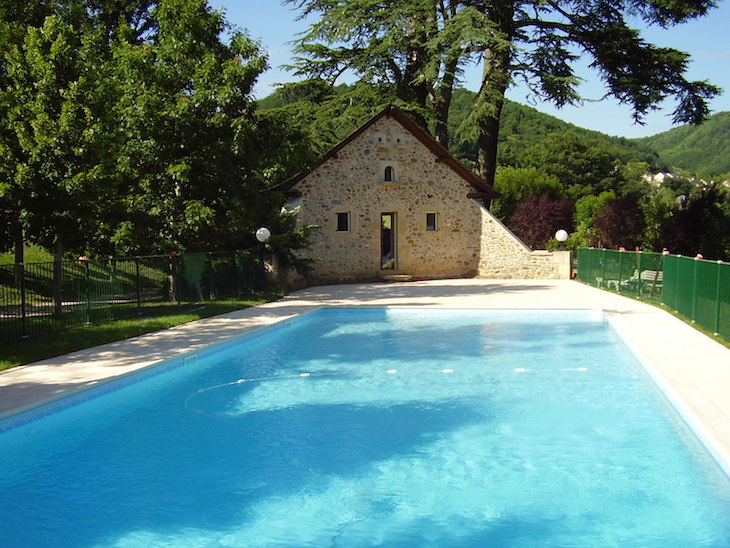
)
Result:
{"points": [[686, 413]]}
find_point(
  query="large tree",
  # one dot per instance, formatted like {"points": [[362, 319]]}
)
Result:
{"points": [[56, 133], [129, 126], [56, 129], [700, 223], [194, 149], [413, 47], [420, 46]]}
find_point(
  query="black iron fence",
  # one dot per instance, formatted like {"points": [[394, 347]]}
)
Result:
{"points": [[39, 298]]}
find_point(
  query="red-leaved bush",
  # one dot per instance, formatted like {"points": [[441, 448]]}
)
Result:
{"points": [[537, 218]]}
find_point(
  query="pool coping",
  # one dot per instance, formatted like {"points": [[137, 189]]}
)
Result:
{"points": [[692, 369]]}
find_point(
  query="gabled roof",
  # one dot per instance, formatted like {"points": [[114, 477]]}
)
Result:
{"points": [[481, 189]]}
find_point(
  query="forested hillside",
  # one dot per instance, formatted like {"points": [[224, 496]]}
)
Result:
{"points": [[703, 150], [523, 129]]}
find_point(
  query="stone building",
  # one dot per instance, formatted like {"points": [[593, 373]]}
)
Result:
{"points": [[390, 202]]}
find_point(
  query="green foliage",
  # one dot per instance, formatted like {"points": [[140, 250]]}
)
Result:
{"points": [[586, 208], [286, 242], [700, 224], [576, 162], [56, 132], [620, 223], [32, 253], [327, 114], [703, 150], [418, 48], [657, 210], [194, 150], [322, 114], [128, 126], [393, 44], [515, 184]]}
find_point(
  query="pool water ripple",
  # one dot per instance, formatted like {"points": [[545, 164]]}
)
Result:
{"points": [[375, 428]]}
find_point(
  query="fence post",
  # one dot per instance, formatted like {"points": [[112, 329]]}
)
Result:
{"points": [[211, 292], [603, 266], [173, 278], [57, 283], [717, 299], [139, 283], [87, 283], [237, 264], [176, 278], [620, 271], [675, 306], [694, 290], [23, 303]]}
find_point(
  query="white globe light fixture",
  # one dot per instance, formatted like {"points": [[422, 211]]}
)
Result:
{"points": [[263, 234], [561, 235]]}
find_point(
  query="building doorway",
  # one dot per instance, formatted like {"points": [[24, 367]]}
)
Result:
{"points": [[387, 241]]}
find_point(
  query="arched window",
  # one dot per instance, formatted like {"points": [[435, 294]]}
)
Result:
{"points": [[389, 175]]}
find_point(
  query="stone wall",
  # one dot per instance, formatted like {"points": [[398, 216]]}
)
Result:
{"points": [[468, 240], [503, 255]]}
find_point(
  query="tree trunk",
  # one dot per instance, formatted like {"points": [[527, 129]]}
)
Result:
{"points": [[495, 79], [416, 60], [19, 243], [443, 102], [487, 148]]}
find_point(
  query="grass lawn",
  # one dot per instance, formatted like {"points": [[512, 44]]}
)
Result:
{"points": [[33, 254], [40, 347]]}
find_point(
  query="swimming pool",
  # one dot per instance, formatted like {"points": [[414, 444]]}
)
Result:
{"points": [[375, 427]]}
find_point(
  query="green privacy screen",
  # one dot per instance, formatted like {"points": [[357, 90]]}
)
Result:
{"points": [[635, 274], [700, 291], [695, 288]]}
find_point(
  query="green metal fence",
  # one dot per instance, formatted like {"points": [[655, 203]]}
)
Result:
{"points": [[39, 298], [697, 289], [635, 274], [700, 291]]}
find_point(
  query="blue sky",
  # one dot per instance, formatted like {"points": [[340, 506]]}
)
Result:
{"points": [[274, 25]]}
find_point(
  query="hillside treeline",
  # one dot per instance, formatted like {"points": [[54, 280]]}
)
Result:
{"points": [[702, 150]]}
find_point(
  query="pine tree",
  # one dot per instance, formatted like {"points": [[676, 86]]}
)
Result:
{"points": [[419, 47]]}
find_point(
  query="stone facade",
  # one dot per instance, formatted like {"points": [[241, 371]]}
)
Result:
{"points": [[390, 172]]}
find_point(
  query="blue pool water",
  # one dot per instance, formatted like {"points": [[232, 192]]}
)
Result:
{"points": [[375, 427]]}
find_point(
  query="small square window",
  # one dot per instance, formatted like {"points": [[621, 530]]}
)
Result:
{"points": [[343, 222], [431, 224]]}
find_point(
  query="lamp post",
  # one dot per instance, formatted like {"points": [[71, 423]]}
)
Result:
{"points": [[262, 234], [561, 235]]}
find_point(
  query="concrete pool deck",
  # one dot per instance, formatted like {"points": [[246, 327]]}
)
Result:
{"points": [[691, 367]]}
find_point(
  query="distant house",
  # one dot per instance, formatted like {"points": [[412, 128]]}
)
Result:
{"points": [[657, 179], [391, 202]]}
